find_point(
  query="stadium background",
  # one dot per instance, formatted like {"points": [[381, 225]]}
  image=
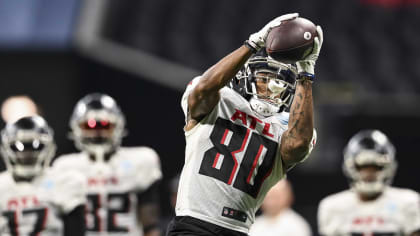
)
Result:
{"points": [[143, 53]]}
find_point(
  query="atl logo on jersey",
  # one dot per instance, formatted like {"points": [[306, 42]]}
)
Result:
{"points": [[242, 116], [22, 202], [94, 181]]}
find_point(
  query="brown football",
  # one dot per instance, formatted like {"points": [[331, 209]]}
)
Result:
{"points": [[292, 40]]}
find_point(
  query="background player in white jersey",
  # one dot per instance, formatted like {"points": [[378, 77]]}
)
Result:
{"points": [[278, 218], [34, 199], [122, 181], [371, 207], [238, 144]]}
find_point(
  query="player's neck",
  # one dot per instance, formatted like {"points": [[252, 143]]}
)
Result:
{"points": [[368, 198], [22, 179], [106, 158]]}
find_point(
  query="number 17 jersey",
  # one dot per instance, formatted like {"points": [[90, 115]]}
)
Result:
{"points": [[231, 161]]}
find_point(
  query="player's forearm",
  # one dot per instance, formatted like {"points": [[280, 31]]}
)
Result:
{"points": [[74, 223], [206, 94], [296, 140], [417, 233], [148, 216], [154, 232], [217, 76]]}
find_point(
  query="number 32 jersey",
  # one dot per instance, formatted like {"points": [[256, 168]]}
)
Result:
{"points": [[37, 207], [112, 188], [231, 161]]}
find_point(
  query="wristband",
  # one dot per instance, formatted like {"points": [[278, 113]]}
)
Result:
{"points": [[250, 46], [305, 76]]}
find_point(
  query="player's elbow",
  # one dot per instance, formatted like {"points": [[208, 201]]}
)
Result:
{"points": [[296, 151], [300, 151]]}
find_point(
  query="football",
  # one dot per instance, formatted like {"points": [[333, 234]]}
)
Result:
{"points": [[292, 40]]}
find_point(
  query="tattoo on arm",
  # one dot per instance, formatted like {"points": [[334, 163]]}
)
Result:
{"points": [[296, 139]]}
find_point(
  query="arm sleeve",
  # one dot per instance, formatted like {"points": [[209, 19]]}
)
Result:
{"points": [[147, 168], [311, 146], [323, 217], [74, 222], [71, 190]]}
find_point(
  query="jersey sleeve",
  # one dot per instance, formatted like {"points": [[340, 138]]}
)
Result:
{"points": [[70, 190], [325, 218], [411, 213], [311, 146], [147, 168]]}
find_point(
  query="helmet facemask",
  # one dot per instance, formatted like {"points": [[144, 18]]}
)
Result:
{"points": [[97, 129], [27, 152], [269, 85]]}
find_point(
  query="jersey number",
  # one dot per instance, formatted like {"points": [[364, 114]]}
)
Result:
{"points": [[13, 222], [220, 161], [122, 200]]}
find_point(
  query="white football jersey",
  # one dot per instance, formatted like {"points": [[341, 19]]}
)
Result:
{"points": [[395, 212], [231, 161], [36, 208], [287, 223], [112, 187]]}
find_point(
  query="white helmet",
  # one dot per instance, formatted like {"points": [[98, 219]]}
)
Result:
{"points": [[27, 146], [97, 124], [369, 147]]}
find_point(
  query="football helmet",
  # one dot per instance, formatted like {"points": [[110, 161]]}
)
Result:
{"points": [[277, 83], [369, 148], [27, 146], [97, 125]]}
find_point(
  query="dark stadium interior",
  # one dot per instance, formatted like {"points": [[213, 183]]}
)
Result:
{"points": [[367, 76]]}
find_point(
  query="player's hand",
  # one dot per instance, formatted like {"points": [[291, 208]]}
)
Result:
{"points": [[257, 40], [307, 65]]}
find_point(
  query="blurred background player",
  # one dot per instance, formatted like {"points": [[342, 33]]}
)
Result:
{"points": [[122, 181], [34, 199], [18, 106], [278, 218], [233, 131], [14, 108], [371, 206]]}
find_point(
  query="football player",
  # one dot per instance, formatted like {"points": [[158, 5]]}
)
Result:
{"points": [[371, 206], [34, 199], [239, 138], [278, 217], [122, 181]]}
